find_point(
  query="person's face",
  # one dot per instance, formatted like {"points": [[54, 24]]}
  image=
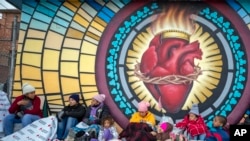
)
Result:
{"points": [[106, 124], [94, 102], [159, 129], [72, 102], [216, 122], [192, 116], [31, 95], [143, 113]]}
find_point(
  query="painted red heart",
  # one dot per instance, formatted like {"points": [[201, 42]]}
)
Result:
{"points": [[169, 57]]}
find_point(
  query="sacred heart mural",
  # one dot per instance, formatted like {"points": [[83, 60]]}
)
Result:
{"points": [[171, 54], [167, 67]]}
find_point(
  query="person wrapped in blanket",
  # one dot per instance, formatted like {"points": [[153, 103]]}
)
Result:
{"points": [[69, 116], [140, 125], [90, 125], [193, 124], [25, 109], [217, 132], [108, 130]]}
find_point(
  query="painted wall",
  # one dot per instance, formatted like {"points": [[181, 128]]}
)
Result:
{"points": [[170, 53]]}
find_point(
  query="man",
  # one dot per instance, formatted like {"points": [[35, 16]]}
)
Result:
{"points": [[25, 109]]}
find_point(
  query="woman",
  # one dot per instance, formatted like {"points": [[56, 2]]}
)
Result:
{"points": [[69, 116], [25, 109]]}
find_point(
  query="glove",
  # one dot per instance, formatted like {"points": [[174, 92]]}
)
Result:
{"points": [[60, 115]]}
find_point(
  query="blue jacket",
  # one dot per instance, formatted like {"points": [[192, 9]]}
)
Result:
{"points": [[217, 134]]}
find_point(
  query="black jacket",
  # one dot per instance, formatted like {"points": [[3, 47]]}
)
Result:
{"points": [[78, 111]]}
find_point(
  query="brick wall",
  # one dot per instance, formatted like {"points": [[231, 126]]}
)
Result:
{"points": [[6, 20]]}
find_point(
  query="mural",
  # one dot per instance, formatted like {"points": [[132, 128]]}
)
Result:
{"points": [[171, 54]]}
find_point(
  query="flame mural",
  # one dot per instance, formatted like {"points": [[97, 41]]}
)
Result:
{"points": [[118, 47]]}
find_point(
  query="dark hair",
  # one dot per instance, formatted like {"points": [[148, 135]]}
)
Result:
{"points": [[222, 119], [165, 135], [107, 118]]}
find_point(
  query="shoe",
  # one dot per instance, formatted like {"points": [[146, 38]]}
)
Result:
{"points": [[72, 133], [79, 134]]}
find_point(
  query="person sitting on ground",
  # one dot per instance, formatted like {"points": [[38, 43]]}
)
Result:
{"points": [[25, 109], [194, 124], [218, 133], [90, 125], [163, 132], [108, 130], [69, 116], [141, 124]]}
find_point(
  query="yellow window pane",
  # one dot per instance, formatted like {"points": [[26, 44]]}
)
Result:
{"points": [[89, 48], [89, 77], [54, 40], [87, 63], [29, 72], [51, 59], [70, 85], [32, 59], [51, 82], [33, 45], [69, 69], [70, 55], [72, 43]]}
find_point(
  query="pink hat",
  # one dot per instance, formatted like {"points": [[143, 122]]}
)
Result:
{"points": [[99, 97], [164, 126], [143, 106]]}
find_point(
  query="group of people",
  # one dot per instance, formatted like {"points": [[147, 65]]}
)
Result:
{"points": [[25, 109], [80, 123], [142, 127]]}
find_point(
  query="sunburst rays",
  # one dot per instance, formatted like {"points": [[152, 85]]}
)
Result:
{"points": [[211, 66]]}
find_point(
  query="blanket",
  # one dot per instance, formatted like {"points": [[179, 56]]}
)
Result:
{"points": [[43, 129], [4, 106]]}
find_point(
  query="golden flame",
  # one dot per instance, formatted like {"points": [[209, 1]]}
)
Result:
{"points": [[174, 18]]}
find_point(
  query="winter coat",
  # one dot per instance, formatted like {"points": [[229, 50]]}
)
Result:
{"points": [[34, 108], [101, 111], [217, 134], [77, 111], [149, 118], [194, 128]]}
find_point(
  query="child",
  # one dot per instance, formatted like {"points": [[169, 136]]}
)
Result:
{"points": [[163, 132], [143, 114], [140, 124], [218, 133], [194, 124], [107, 131]]}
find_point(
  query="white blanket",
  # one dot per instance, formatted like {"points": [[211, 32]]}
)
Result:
{"points": [[43, 129], [4, 106]]}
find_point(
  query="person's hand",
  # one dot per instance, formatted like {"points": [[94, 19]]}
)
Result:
{"points": [[153, 133], [242, 120], [60, 115], [23, 102], [143, 121]]}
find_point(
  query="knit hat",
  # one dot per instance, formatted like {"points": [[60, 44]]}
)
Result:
{"points": [[27, 88], [143, 106], [99, 97], [194, 109], [75, 97], [164, 126]]}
